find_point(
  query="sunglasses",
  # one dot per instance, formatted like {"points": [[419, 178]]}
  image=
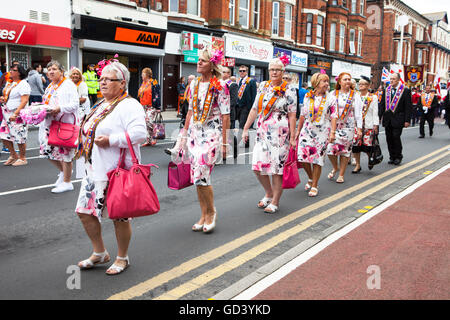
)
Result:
{"points": [[242, 70]]}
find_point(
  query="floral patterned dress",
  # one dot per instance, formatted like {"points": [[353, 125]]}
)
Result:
{"points": [[313, 139], [205, 140], [272, 136], [345, 127]]}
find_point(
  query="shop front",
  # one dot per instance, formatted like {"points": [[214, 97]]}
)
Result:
{"points": [[137, 47], [356, 70], [298, 64], [253, 53], [318, 63], [30, 43]]}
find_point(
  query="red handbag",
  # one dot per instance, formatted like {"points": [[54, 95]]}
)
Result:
{"points": [[63, 134], [130, 192], [291, 177]]}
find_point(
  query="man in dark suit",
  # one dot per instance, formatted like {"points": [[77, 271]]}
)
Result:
{"points": [[395, 109], [246, 96], [428, 103]]}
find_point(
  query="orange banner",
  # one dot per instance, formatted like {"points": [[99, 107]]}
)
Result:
{"points": [[137, 36]]}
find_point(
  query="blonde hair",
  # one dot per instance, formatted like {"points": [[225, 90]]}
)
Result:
{"points": [[362, 81], [216, 69], [75, 69], [317, 77]]}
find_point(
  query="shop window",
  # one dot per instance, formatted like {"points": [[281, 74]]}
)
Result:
{"points": [[243, 13], [333, 36], [288, 21], [173, 6], [275, 18], [319, 31], [231, 11], [255, 23], [309, 21]]}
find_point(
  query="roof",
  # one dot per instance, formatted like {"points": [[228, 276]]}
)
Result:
{"points": [[437, 16]]}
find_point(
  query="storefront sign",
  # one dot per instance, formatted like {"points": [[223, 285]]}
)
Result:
{"points": [[137, 36], [355, 70], [17, 33], [247, 48], [278, 52], [228, 62], [299, 59], [193, 43]]}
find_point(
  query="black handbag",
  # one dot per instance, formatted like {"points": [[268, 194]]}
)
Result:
{"points": [[376, 156]]}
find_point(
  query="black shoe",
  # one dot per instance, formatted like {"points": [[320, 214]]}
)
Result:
{"points": [[391, 161], [397, 161], [168, 151], [431, 133], [421, 137], [370, 167], [357, 171]]}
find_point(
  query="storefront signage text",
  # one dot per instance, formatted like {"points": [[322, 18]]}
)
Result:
{"points": [[137, 36], [249, 49], [17, 33]]}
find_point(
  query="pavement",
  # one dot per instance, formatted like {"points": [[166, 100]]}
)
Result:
{"points": [[399, 252]]}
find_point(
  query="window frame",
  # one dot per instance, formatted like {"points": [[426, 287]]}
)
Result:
{"points": [[248, 14], [342, 30], [198, 7], [287, 22], [361, 7], [256, 13], [319, 26], [309, 25], [332, 45], [351, 32], [353, 5], [178, 6], [276, 18], [232, 12], [359, 50]]}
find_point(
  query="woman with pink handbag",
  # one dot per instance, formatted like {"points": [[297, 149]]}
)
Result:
{"points": [[103, 134], [275, 107], [204, 134], [61, 97]]}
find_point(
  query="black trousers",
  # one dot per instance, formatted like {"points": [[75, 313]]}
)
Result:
{"points": [[242, 115], [429, 117], [394, 142], [93, 98]]}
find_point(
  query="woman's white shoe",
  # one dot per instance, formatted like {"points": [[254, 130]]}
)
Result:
{"points": [[116, 268], [308, 185], [271, 208], [88, 263], [264, 202], [313, 192], [197, 227], [207, 228]]}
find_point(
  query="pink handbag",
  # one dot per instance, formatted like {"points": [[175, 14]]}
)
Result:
{"points": [[179, 175], [63, 134], [291, 177], [130, 192]]}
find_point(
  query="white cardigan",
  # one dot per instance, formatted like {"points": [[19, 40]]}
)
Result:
{"points": [[371, 118], [128, 116]]}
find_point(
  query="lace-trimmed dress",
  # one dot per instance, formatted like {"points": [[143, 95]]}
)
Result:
{"points": [[345, 128], [205, 141], [313, 139], [272, 136]]}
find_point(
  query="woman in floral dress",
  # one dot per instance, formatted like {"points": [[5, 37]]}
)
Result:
{"points": [[207, 122], [349, 116], [275, 107], [317, 127]]}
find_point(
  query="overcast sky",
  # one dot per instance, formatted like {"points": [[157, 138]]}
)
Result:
{"points": [[429, 6]]}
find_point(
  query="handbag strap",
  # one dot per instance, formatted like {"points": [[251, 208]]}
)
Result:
{"points": [[123, 152], [74, 118]]}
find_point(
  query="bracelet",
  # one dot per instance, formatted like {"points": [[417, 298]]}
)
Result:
{"points": [[333, 131], [225, 144]]}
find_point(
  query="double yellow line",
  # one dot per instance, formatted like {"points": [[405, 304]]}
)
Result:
{"points": [[246, 256]]}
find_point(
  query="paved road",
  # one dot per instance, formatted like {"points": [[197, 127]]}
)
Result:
{"points": [[41, 237]]}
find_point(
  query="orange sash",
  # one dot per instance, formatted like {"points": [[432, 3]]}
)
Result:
{"points": [[268, 109]]}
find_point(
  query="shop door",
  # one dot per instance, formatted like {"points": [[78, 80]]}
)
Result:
{"points": [[171, 78]]}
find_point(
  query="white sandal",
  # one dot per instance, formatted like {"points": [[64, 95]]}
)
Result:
{"points": [[272, 208], [88, 263], [265, 202], [331, 174], [313, 192], [308, 184], [118, 269]]}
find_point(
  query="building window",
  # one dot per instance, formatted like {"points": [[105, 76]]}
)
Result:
{"points": [[255, 23], [231, 11], [353, 8], [334, 2], [173, 6], [360, 35], [309, 21], [419, 56], [344, 3], [342, 38], [333, 37], [319, 31], [351, 41], [361, 7], [275, 18], [192, 7], [243, 13], [287, 21]]}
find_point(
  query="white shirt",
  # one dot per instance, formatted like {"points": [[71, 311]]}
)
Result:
{"points": [[15, 96], [66, 98], [128, 116], [371, 118], [357, 105], [83, 93]]}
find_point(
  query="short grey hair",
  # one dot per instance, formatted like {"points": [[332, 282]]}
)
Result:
{"points": [[120, 70], [57, 64], [276, 61]]}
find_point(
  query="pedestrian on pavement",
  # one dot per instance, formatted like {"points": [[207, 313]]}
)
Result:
{"points": [[349, 121], [36, 84], [415, 98], [316, 128], [275, 107], [395, 109], [246, 95], [61, 96], [428, 104], [370, 124], [12, 129], [205, 131], [90, 76], [83, 93], [149, 96], [116, 114]]}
